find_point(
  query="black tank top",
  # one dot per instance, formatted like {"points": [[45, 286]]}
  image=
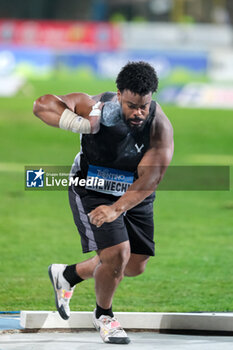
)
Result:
{"points": [[116, 146]]}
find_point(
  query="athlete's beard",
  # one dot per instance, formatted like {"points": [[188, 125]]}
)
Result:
{"points": [[134, 128]]}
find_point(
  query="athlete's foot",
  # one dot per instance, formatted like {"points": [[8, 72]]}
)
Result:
{"points": [[110, 329], [62, 289]]}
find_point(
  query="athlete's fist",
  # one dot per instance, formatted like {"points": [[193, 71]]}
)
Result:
{"points": [[102, 214]]}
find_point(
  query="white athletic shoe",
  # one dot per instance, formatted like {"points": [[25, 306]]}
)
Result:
{"points": [[62, 289], [110, 329]]}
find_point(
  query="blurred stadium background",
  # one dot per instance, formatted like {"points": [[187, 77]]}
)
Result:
{"points": [[60, 47], [186, 40]]}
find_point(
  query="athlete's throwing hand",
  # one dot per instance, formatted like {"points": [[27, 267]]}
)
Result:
{"points": [[102, 214]]}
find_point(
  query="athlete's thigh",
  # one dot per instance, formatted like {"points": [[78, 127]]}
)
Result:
{"points": [[139, 222], [92, 237]]}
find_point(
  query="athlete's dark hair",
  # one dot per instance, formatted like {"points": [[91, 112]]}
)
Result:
{"points": [[138, 77]]}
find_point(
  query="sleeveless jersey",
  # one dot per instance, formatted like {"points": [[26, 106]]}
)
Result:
{"points": [[115, 147]]}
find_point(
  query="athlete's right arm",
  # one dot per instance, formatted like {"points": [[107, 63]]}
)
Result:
{"points": [[70, 112]]}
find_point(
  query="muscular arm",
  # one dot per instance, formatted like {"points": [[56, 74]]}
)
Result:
{"points": [[151, 170], [49, 108], [153, 165]]}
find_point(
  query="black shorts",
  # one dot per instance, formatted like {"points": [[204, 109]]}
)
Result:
{"points": [[135, 225]]}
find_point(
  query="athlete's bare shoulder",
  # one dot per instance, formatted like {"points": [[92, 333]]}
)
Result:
{"points": [[162, 130], [160, 118]]}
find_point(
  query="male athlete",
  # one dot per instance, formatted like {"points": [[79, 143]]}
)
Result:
{"points": [[128, 141]]}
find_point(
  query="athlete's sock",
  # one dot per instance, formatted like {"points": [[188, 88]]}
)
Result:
{"points": [[71, 275], [100, 311]]}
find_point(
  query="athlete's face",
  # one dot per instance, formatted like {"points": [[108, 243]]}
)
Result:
{"points": [[135, 108]]}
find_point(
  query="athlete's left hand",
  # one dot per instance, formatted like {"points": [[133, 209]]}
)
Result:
{"points": [[102, 214]]}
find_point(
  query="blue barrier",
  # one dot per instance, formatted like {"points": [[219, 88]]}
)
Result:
{"points": [[104, 64]]}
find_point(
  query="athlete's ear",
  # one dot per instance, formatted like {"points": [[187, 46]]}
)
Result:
{"points": [[119, 96]]}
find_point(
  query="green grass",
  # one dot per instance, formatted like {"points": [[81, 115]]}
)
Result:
{"points": [[192, 269]]}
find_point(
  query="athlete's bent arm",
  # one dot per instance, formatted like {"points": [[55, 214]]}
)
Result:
{"points": [[151, 170], [50, 109]]}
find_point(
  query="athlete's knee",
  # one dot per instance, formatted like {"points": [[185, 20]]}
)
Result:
{"points": [[116, 258], [119, 260]]}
